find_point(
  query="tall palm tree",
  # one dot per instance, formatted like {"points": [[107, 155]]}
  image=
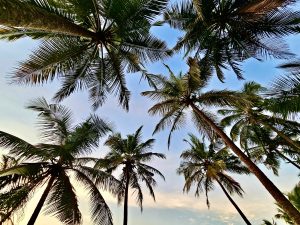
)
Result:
{"points": [[255, 114], [263, 146], [62, 155], [203, 166], [87, 44], [179, 93], [131, 154], [226, 32]]}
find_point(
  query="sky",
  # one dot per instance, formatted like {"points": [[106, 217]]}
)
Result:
{"points": [[172, 206]]}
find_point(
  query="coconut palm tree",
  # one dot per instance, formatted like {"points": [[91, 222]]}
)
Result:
{"points": [[226, 32], [255, 114], [87, 44], [262, 145], [61, 155], [131, 155], [204, 166], [177, 94]]}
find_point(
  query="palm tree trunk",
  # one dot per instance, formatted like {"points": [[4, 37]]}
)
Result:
{"points": [[41, 202], [272, 189], [125, 220], [283, 136], [26, 15], [287, 159], [234, 204]]}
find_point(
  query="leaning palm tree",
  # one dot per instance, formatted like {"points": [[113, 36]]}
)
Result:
{"points": [[176, 94], [204, 166], [227, 32], [241, 117], [52, 163], [86, 44], [131, 154]]}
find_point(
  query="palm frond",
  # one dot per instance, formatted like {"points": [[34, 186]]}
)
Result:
{"points": [[62, 201], [100, 212]]}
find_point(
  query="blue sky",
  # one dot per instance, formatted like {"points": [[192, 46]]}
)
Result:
{"points": [[172, 206]]}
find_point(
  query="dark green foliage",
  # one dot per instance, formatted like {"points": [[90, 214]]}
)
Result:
{"points": [[28, 166], [131, 154], [227, 32], [202, 166], [87, 44]]}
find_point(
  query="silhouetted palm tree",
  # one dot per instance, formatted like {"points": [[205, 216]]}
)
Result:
{"points": [[226, 32], [203, 166], [176, 94], [242, 118], [87, 44], [131, 154], [60, 156]]}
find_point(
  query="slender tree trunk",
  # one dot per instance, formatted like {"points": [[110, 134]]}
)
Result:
{"points": [[25, 15], [287, 159], [283, 136], [41, 202], [234, 204], [125, 220], [272, 189]]}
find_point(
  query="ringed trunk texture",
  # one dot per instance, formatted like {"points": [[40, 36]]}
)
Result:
{"points": [[234, 204], [272, 189], [17, 14], [125, 219], [41, 202]]}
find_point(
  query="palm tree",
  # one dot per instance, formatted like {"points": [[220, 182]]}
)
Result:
{"points": [[294, 197], [226, 32], [254, 114], [178, 93], [262, 145], [52, 163], [87, 44], [131, 154], [203, 167]]}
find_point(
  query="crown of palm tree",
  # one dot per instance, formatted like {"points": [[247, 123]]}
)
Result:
{"points": [[226, 32], [176, 93], [132, 154], [86, 44], [63, 154], [203, 166], [244, 119]]}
